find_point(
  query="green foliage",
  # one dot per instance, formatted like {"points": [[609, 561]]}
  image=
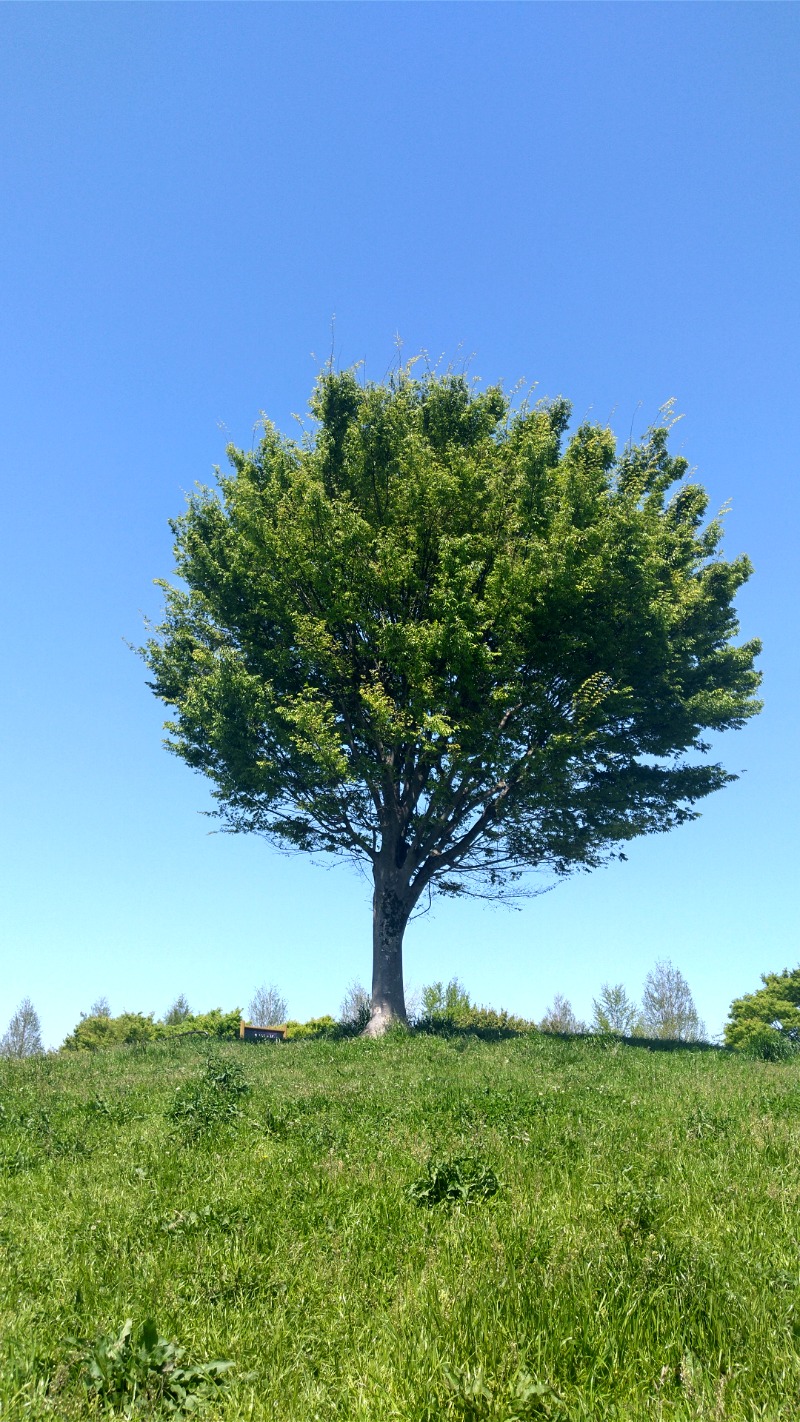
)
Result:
{"points": [[668, 1009], [451, 1003], [459, 1181], [768, 1016], [432, 626], [200, 1106], [134, 1028], [473, 1396], [125, 1368], [355, 1011], [769, 1044], [489, 1022], [561, 1018], [178, 1012], [267, 1007], [94, 1033], [23, 1036], [615, 1012], [448, 1009], [216, 1023], [315, 1027]]}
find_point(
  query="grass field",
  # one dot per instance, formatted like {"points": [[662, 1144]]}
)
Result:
{"points": [[618, 1234]]}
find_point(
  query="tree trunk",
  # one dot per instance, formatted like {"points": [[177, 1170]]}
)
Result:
{"points": [[391, 906]]}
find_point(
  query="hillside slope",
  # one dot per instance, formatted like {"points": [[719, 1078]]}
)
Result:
{"points": [[619, 1235]]}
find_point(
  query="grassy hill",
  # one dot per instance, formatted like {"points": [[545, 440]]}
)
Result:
{"points": [[416, 1228]]}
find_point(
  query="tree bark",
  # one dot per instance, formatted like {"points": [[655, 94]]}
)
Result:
{"points": [[391, 907]]}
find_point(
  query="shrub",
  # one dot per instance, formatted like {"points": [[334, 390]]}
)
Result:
{"points": [[216, 1023], [315, 1027], [489, 1021], [774, 1008], [449, 1004], [484, 1022], [561, 1018], [769, 1044], [94, 1033], [356, 1008], [449, 1010]]}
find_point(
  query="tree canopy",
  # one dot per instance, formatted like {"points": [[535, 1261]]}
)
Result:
{"points": [[668, 1008], [614, 1011], [772, 1009], [435, 635], [23, 1036]]}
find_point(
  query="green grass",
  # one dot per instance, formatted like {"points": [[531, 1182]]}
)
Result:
{"points": [[640, 1258]]}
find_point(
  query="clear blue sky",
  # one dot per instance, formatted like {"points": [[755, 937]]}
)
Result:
{"points": [[602, 199]]}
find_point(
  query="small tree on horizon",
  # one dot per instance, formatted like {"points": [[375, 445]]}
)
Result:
{"points": [[355, 1010], [23, 1036], [450, 1001], [668, 1008], [614, 1011], [561, 1018], [267, 1007], [178, 1011], [438, 638], [100, 1008]]}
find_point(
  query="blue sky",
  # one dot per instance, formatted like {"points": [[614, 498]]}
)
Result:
{"points": [[600, 198]]}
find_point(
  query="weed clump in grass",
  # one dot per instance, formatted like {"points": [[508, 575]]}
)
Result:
{"points": [[199, 1107], [124, 1368], [457, 1181], [476, 1397]]}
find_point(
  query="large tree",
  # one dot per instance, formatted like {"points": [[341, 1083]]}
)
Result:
{"points": [[434, 636]]}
